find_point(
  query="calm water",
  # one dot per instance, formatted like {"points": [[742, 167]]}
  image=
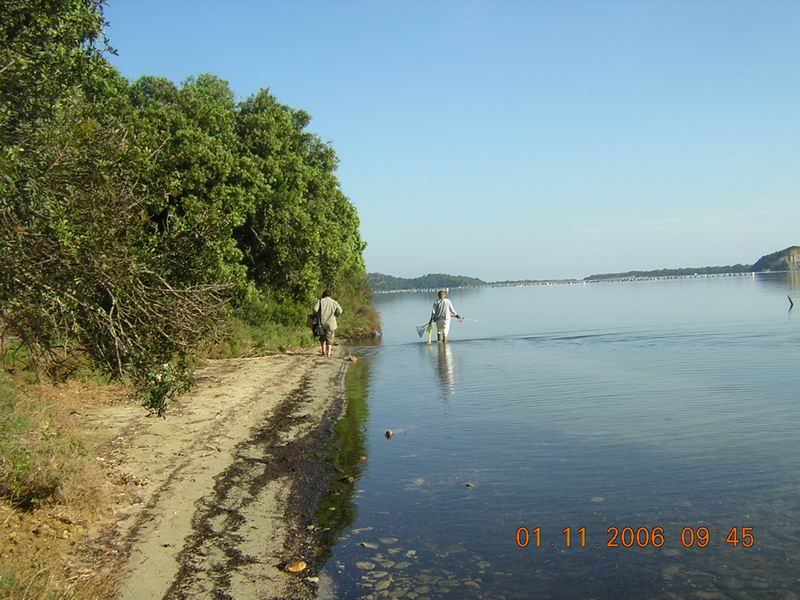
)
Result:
{"points": [[666, 404]]}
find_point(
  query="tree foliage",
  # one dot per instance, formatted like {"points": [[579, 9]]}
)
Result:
{"points": [[303, 232], [135, 216]]}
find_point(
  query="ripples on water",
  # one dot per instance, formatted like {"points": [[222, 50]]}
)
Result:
{"points": [[684, 415]]}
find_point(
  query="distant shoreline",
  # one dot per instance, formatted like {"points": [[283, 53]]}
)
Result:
{"points": [[782, 261], [587, 281]]}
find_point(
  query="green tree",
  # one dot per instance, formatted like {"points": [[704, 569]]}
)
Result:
{"points": [[303, 232], [82, 267], [192, 168]]}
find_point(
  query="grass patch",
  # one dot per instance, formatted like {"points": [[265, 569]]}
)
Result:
{"points": [[34, 455], [41, 585], [247, 339], [360, 320], [50, 488]]}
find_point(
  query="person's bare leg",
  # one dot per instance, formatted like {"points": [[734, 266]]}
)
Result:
{"points": [[444, 339], [322, 347], [328, 349]]}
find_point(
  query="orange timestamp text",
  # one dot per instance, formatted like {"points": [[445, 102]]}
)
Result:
{"points": [[640, 537]]}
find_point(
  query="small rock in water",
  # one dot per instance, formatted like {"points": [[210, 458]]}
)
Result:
{"points": [[365, 565], [388, 540], [312, 579], [469, 484], [411, 553], [353, 359], [402, 565], [597, 499], [395, 550], [389, 434], [670, 571], [361, 530], [369, 545], [484, 564], [382, 585], [297, 566]]}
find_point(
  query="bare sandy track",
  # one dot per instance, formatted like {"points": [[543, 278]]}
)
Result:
{"points": [[228, 481]]}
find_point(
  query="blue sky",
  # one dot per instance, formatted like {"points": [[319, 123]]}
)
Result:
{"points": [[510, 140]]}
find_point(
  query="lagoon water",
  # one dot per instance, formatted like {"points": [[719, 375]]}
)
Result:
{"points": [[672, 404]]}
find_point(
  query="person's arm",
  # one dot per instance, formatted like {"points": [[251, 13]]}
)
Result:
{"points": [[338, 311], [433, 313], [453, 311]]}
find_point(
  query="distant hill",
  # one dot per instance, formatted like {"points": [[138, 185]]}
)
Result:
{"points": [[783, 260], [386, 283]]}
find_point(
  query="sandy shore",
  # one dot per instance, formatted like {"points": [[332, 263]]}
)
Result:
{"points": [[226, 485]]}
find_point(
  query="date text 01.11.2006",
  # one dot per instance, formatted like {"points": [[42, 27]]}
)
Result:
{"points": [[641, 537]]}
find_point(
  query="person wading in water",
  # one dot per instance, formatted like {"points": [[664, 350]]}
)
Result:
{"points": [[327, 309], [443, 309]]}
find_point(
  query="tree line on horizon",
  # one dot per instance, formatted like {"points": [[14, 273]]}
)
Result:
{"points": [[787, 259], [139, 219]]}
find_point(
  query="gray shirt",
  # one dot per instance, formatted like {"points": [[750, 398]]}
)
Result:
{"points": [[330, 310], [442, 309]]}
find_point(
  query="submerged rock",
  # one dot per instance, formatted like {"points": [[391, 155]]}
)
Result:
{"points": [[361, 530], [365, 565], [472, 584]]}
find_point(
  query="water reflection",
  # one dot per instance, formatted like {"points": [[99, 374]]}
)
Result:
{"points": [[445, 369], [337, 508], [441, 357], [789, 282]]}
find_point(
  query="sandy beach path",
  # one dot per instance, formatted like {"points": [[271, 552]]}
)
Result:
{"points": [[228, 482]]}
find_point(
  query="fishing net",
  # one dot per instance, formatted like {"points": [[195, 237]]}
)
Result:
{"points": [[422, 329]]}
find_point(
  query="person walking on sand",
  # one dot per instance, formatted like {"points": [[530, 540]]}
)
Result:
{"points": [[442, 310], [326, 310]]}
